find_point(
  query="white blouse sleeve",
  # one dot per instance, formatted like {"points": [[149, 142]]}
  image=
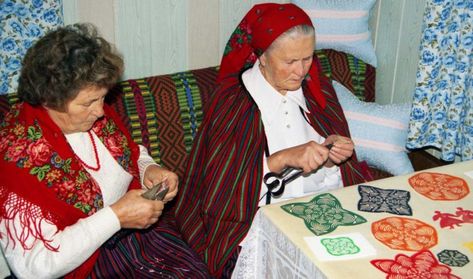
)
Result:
{"points": [[144, 161], [76, 243]]}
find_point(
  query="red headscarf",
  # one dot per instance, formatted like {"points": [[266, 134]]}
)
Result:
{"points": [[261, 26]]}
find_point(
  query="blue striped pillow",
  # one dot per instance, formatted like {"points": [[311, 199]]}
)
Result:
{"points": [[378, 131], [342, 25]]}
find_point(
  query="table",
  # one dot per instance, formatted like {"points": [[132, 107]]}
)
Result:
{"points": [[369, 230]]}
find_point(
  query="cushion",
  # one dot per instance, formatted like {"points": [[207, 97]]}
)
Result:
{"points": [[356, 75], [378, 131], [342, 25]]}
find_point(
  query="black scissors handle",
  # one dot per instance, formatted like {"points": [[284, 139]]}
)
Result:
{"points": [[276, 182]]}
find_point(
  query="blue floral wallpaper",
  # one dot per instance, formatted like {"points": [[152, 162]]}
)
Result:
{"points": [[22, 22]]}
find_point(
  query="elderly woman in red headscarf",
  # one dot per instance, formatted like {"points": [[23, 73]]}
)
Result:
{"points": [[273, 109]]}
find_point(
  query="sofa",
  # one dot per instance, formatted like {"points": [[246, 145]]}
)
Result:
{"points": [[163, 112]]}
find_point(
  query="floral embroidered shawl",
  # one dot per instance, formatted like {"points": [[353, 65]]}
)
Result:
{"points": [[39, 166]]}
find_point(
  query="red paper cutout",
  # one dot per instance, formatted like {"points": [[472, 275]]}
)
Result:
{"points": [[447, 219], [404, 233], [451, 220], [422, 264], [438, 186], [466, 215]]}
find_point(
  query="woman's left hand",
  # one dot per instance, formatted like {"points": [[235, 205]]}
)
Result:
{"points": [[341, 150], [155, 174]]}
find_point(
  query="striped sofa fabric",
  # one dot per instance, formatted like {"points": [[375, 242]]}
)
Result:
{"points": [[164, 112]]}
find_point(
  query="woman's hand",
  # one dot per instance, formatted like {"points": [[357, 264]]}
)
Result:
{"points": [[155, 174], [341, 150], [136, 212], [308, 156]]}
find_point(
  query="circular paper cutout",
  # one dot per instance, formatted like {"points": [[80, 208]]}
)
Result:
{"points": [[439, 186], [404, 233]]}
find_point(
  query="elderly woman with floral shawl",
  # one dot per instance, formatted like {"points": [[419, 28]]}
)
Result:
{"points": [[273, 109], [72, 178]]}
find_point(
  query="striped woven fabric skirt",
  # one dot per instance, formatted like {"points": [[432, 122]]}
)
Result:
{"points": [[157, 252]]}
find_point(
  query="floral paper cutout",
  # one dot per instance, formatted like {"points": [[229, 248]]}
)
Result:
{"points": [[404, 233], [439, 186], [323, 214], [422, 264], [340, 246], [453, 258], [384, 200]]}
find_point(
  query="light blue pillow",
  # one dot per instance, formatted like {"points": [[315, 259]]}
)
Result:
{"points": [[378, 131], [342, 25]]}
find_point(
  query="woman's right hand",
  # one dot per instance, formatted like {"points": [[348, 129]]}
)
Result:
{"points": [[308, 156], [136, 212]]}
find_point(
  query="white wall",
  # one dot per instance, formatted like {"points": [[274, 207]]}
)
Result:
{"points": [[396, 26], [165, 36]]}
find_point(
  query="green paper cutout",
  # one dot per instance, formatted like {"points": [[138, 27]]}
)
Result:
{"points": [[340, 246], [323, 214]]}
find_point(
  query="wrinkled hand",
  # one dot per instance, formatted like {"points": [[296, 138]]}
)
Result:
{"points": [[308, 156], [341, 151], [155, 174], [136, 212]]}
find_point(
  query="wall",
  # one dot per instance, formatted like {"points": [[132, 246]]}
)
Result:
{"points": [[164, 36], [396, 26]]}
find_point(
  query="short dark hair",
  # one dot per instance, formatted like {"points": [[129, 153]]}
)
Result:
{"points": [[65, 61]]}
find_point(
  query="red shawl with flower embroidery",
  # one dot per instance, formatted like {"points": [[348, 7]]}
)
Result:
{"points": [[39, 166]]}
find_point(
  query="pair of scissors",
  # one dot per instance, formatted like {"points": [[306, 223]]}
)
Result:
{"points": [[276, 182], [157, 192]]}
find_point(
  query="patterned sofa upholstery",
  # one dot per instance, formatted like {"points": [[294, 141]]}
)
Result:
{"points": [[164, 112]]}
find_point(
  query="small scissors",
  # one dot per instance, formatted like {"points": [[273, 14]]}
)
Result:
{"points": [[276, 182], [157, 192]]}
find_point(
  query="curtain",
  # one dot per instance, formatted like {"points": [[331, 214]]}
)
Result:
{"points": [[442, 113], [22, 22]]}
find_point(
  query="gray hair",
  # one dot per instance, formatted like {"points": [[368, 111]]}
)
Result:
{"points": [[294, 32]]}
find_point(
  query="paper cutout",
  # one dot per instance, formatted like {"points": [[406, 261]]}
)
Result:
{"points": [[422, 264], [451, 220], [404, 233], [340, 247], [323, 214], [384, 200], [453, 258], [466, 215], [439, 186]]}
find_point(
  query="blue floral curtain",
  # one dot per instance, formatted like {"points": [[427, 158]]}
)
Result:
{"points": [[22, 22], [442, 113]]}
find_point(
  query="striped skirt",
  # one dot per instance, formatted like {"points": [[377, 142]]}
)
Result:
{"points": [[157, 252]]}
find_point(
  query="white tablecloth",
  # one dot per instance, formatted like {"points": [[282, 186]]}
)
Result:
{"points": [[275, 246]]}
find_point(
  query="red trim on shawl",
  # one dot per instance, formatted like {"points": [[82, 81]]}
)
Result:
{"points": [[31, 187]]}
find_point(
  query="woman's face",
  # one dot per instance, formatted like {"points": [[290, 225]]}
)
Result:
{"points": [[287, 62], [82, 112]]}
